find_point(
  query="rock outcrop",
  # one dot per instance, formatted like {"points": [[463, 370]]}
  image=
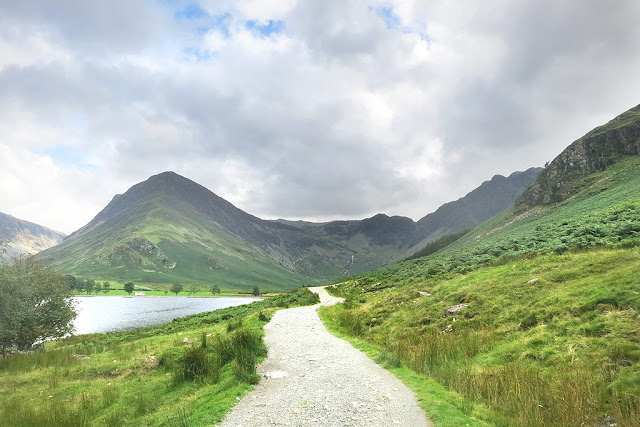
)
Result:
{"points": [[594, 152]]}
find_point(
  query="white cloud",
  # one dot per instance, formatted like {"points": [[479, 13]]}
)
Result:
{"points": [[349, 108]]}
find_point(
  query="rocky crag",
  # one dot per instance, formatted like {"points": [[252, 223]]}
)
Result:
{"points": [[594, 152]]}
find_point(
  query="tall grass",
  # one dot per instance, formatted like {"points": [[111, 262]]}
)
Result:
{"points": [[526, 394], [192, 384]]}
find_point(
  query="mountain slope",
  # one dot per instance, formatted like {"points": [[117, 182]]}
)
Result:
{"points": [[594, 152], [26, 237], [486, 201], [169, 228]]}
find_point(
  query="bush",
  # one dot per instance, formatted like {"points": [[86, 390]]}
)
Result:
{"points": [[199, 365], [264, 317]]}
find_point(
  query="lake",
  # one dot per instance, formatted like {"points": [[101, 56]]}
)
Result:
{"points": [[99, 314]]}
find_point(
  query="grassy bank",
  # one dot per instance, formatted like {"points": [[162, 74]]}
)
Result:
{"points": [[549, 340], [187, 372], [445, 408]]}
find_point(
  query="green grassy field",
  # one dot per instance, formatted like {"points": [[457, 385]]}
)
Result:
{"points": [[188, 383], [547, 340]]}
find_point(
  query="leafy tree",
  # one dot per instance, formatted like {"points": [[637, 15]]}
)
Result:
{"points": [[106, 287], [215, 289], [256, 291], [176, 288], [98, 287], [34, 304], [71, 281], [128, 287], [193, 289], [89, 285]]}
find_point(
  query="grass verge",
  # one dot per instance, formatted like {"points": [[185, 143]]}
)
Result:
{"points": [[445, 408], [549, 340], [187, 372]]}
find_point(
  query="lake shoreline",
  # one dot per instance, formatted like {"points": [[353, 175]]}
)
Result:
{"points": [[113, 313]]}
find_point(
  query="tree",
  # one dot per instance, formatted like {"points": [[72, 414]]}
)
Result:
{"points": [[70, 280], [215, 289], [106, 287], [98, 287], [34, 304], [89, 284], [128, 287], [256, 291], [176, 288]]}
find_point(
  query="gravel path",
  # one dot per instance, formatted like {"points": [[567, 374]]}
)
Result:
{"points": [[312, 378]]}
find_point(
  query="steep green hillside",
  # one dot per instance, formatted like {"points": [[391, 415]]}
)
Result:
{"points": [[551, 340], [533, 314], [604, 213], [169, 229]]}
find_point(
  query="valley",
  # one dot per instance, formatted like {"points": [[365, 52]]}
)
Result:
{"points": [[526, 317], [170, 229]]}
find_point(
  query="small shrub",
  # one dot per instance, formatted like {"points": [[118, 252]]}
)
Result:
{"points": [[196, 363], [234, 324], [246, 347], [264, 317]]}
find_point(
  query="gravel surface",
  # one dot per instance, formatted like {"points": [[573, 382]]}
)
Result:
{"points": [[312, 378]]}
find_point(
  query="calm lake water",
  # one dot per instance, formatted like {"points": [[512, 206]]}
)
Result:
{"points": [[119, 313]]}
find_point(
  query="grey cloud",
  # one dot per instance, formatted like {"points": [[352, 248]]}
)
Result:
{"points": [[92, 27], [292, 121]]}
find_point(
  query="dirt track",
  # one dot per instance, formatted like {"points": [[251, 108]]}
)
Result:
{"points": [[313, 378]]}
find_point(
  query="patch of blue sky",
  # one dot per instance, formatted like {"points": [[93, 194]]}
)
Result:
{"points": [[219, 23], [393, 22], [192, 53], [266, 30], [191, 11], [68, 157]]}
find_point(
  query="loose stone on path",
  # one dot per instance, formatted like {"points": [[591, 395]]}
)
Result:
{"points": [[311, 377]]}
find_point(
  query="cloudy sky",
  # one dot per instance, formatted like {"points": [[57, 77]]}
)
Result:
{"points": [[300, 109]]}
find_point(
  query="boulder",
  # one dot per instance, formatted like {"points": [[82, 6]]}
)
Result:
{"points": [[454, 309]]}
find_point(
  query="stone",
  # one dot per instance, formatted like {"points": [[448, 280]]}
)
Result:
{"points": [[454, 309], [151, 362], [80, 357]]}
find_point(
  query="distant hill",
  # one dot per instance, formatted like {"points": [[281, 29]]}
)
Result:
{"points": [[171, 229], [486, 201], [26, 237]]}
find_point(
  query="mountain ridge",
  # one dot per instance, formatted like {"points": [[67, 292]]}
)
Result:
{"points": [[169, 228], [23, 236]]}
